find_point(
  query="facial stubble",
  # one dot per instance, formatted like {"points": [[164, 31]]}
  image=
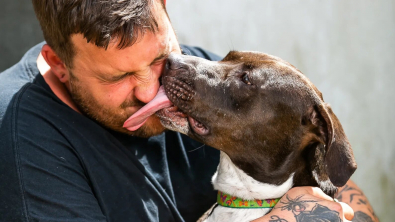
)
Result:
{"points": [[109, 117]]}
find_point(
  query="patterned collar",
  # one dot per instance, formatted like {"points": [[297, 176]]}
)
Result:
{"points": [[227, 200]]}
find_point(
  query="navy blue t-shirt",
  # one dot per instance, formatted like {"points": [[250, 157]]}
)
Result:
{"points": [[58, 165]]}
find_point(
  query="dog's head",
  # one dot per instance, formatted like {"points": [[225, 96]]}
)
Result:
{"points": [[263, 113]]}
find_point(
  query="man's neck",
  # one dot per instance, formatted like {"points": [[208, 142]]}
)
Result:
{"points": [[57, 87]]}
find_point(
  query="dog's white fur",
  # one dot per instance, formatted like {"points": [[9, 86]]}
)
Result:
{"points": [[232, 180]]}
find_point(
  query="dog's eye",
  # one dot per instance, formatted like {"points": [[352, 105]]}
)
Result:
{"points": [[246, 79]]}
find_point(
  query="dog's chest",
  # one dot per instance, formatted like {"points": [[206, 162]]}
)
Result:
{"points": [[230, 179]]}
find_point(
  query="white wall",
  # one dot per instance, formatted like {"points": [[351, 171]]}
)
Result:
{"points": [[347, 49]]}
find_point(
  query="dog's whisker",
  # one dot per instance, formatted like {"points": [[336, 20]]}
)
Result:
{"points": [[197, 148], [232, 48]]}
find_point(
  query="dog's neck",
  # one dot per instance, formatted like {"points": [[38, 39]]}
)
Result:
{"points": [[232, 180]]}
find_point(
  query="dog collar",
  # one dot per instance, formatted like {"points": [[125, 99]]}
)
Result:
{"points": [[227, 200]]}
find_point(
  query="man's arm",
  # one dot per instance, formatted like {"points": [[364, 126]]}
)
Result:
{"points": [[352, 195], [307, 203]]}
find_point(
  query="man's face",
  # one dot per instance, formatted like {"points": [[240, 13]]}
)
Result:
{"points": [[110, 85]]}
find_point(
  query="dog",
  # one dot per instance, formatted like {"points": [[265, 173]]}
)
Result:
{"points": [[270, 123]]}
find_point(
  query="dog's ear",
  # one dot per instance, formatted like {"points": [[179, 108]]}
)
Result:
{"points": [[333, 155]]}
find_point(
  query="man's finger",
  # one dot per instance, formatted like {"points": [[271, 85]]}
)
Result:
{"points": [[347, 211]]}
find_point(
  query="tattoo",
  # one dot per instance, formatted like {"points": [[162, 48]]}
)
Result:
{"points": [[362, 202], [296, 205], [360, 216], [356, 196], [356, 193], [276, 218], [345, 188], [318, 213]]}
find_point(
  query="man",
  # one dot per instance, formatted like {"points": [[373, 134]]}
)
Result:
{"points": [[65, 155]]}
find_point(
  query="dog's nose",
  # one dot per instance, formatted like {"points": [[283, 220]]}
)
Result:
{"points": [[175, 61]]}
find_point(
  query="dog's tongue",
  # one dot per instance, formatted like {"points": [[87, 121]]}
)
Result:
{"points": [[138, 119]]}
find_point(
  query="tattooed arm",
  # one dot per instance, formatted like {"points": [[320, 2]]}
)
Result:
{"points": [[311, 204], [305, 204], [352, 195]]}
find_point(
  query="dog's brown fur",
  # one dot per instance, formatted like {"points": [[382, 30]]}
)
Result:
{"points": [[264, 114]]}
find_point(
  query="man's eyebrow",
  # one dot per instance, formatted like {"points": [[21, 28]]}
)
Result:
{"points": [[160, 57], [114, 78], [106, 77]]}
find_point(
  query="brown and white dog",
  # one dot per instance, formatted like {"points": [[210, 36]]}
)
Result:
{"points": [[270, 123]]}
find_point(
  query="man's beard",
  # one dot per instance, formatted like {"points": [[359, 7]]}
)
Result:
{"points": [[112, 118]]}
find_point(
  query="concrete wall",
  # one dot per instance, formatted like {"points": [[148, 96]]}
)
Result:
{"points": [[19, 31], [346, 48]]}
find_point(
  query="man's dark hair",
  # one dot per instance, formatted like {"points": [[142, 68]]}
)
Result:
{"points": [[99, 21]]}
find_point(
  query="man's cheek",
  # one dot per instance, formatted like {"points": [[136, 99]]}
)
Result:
{"points": [[115, 95], [157, 69]]}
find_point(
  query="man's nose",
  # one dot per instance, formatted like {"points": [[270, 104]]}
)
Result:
{"points": [[147, 88], [146, 92]]}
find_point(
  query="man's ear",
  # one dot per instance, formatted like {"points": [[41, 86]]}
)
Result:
{"points": [[57, 66], [333, 156]]}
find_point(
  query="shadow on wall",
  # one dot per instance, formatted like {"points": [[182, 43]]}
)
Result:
{"points": [[20, 31]]}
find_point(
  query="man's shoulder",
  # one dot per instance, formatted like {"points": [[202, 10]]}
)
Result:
{"points": [[35, 113], [14, 78], [30, 105], [199, 52]]}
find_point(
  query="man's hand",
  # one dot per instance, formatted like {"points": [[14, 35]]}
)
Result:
{"points": [[308, 204]]}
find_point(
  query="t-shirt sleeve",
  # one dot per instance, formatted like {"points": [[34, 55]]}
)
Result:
{"points": [[41, 176], [199, 52]]}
